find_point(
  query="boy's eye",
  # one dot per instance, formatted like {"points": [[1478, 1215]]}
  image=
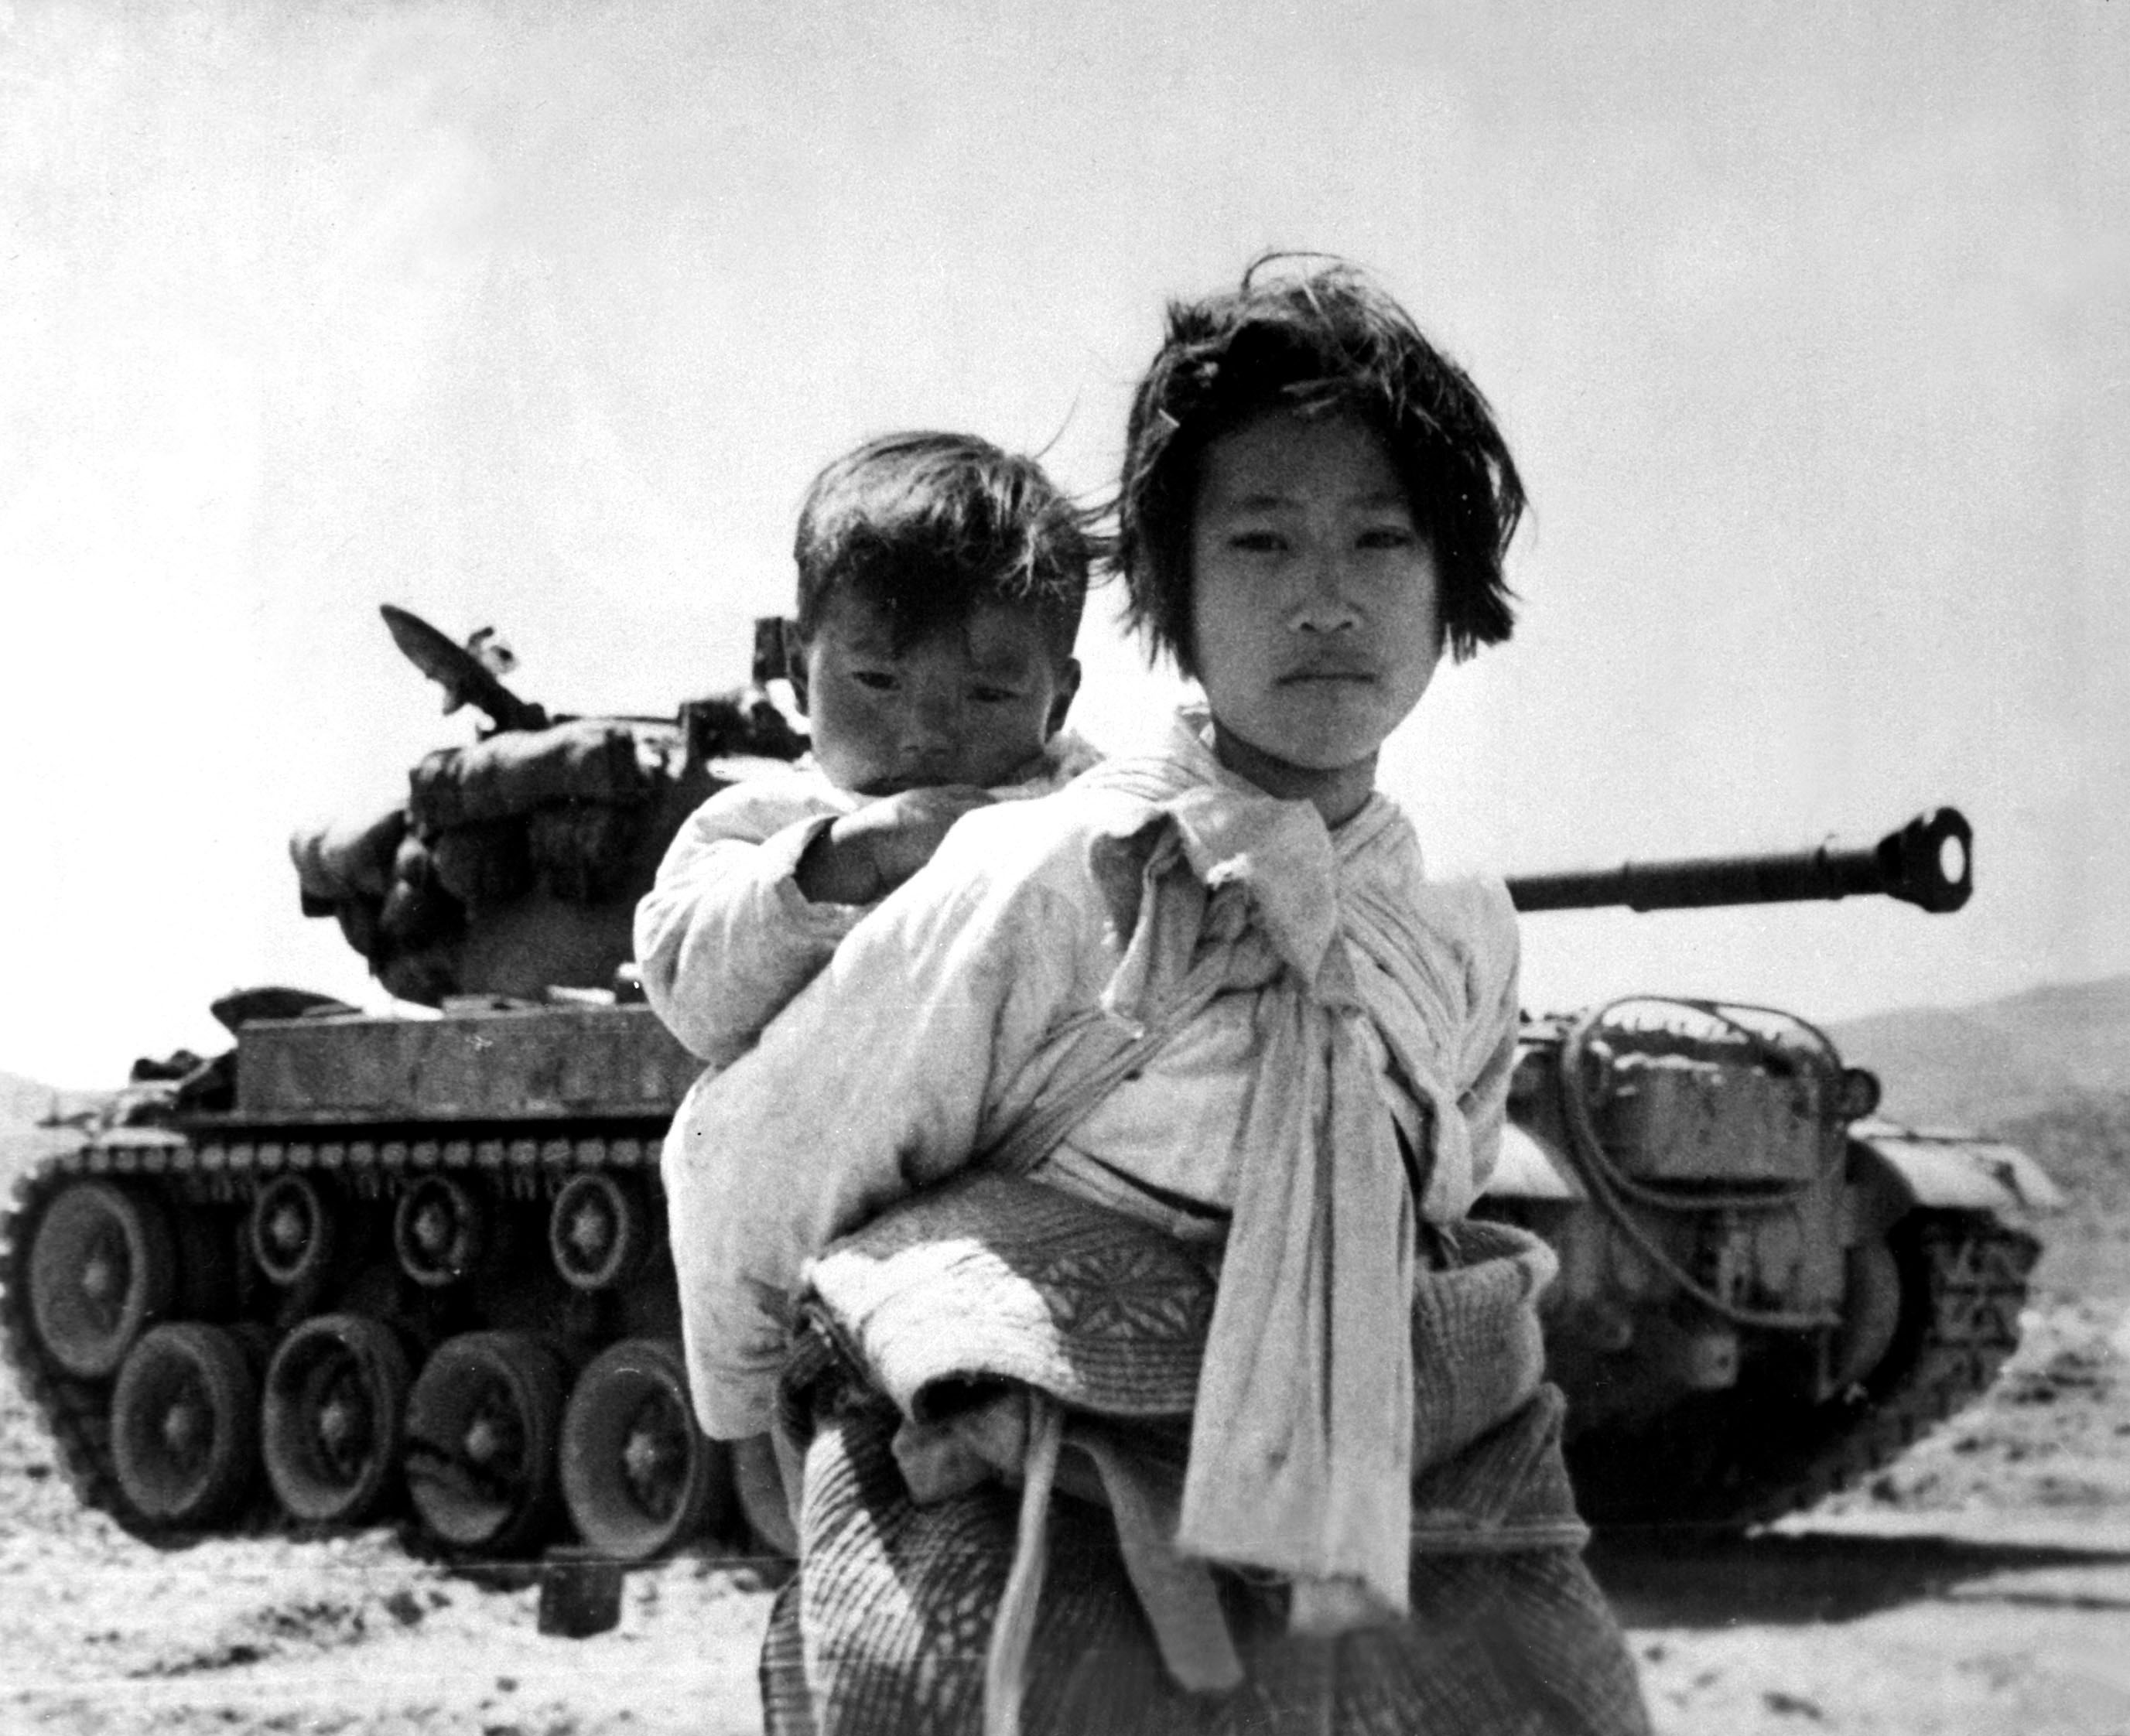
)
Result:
{"points": [[878, 680], [993, 695]]}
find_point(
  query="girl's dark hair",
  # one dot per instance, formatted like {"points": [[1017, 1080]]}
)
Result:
{"points": [[928, 525], [1320, 341]]}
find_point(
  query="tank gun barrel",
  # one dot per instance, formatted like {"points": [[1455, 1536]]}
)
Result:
{"points": [[1928, 862]]}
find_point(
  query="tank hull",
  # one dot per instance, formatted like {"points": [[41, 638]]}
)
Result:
{"points": [[309, 1205], [483, 1176]]}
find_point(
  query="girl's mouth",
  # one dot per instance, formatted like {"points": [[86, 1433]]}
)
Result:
{"points": [[1334, 675]]}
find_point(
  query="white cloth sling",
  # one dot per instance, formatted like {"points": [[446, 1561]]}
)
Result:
{"points": [[1303, 1441]]}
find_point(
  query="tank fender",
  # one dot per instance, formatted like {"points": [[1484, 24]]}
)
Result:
{"points": [[1894, 1169], [1528, 1168]]}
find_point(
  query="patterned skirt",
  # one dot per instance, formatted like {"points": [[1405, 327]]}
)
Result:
{"points": [[885, 1627]]}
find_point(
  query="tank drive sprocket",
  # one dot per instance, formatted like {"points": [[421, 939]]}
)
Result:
{"points": [[1730, 1460]]}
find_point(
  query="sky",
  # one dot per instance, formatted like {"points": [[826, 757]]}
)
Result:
{"points": [[1809, 324]]}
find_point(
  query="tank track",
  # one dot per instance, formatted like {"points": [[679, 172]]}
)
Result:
{"points": [[1723, 1461], [222, 1172], [1742, 1458]]}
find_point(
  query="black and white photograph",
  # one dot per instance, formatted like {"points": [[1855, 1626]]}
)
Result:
{"points": [[952, 867]]}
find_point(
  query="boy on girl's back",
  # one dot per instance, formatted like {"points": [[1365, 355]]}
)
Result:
{"points": [[941, 582]]}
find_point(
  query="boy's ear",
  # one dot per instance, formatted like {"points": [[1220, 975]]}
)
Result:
{"points": [[794, 665], [1061, 702]]}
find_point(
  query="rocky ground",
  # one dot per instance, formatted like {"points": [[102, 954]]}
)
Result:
{"points": [[1981, 1585]]}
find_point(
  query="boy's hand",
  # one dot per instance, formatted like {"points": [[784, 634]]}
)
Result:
{"points": [[866, 855]]}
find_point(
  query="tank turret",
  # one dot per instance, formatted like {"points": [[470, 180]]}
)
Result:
{"points": [[1763, 1294]]}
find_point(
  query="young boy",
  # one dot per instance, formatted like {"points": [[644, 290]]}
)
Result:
{"points": [[941, 582]]}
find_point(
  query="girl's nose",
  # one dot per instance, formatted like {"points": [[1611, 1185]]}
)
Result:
{"points": [[1326, 602]]}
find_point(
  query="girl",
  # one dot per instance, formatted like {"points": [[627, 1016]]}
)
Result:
{"points": [[1124, 1153]]}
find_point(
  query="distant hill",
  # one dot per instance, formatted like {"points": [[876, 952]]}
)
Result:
{"points": [[2004, 1061]]}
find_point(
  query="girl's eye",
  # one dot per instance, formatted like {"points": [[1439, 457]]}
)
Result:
{"points": [[1257, 543], [879, 680], [1387, 536]]}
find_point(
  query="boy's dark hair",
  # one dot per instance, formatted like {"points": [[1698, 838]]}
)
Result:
{"points": [[1317, 342], [928, 525]]}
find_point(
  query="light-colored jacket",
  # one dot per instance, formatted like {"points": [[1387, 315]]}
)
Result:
{"points": [[724, 937], [1359, 1001]]}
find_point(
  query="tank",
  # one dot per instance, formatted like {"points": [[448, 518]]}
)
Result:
{"points": [[412, 1268], [1766, 1293]]}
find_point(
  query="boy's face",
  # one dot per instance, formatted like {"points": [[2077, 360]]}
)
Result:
{"points": [[1314, 609], [971, 703]]}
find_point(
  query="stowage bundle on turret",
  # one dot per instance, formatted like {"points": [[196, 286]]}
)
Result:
{"points": [[516, 861]]}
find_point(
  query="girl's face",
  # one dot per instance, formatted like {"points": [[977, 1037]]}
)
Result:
{"points": [[1314, 611]]}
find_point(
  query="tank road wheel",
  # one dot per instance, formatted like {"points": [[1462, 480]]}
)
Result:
{"points": [[599, 1230], [483, 1424], [184, 1425], [329, 1425], [103, 1270], [291, 1230], [438, 1231], [637, 1475]]}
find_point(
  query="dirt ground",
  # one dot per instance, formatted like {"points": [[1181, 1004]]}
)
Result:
{"points": [[1980, 1586]]}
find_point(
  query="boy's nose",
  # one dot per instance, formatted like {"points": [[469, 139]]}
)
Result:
{"points": [[930, 725]]}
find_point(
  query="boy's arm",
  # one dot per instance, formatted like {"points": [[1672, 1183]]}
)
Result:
{"points": [[725, 937], [873, 1083], [859, 858]]}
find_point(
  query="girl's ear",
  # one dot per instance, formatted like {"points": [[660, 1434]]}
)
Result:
{"points": [[794, 665], [1060, 701]]}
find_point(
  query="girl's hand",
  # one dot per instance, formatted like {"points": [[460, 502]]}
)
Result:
{"points": [[865, 855]]}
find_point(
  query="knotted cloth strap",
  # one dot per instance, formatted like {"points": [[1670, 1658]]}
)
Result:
{"points": [[1303, 1445], [1301, 1441], [1006, 1664], [1301, 1455]]}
